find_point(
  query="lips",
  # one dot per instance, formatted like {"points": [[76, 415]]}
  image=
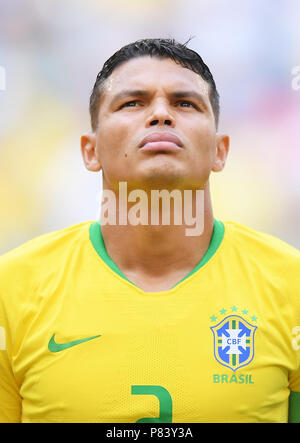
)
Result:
{"points": [[161, 137]]}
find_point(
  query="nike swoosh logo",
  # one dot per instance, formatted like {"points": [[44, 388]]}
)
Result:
{"points": [[57, 347]]}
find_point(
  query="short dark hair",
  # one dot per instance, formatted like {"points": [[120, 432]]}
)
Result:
{"points": [[160, 48]]}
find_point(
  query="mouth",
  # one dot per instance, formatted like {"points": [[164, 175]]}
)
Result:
{"points": [[161, 142]]}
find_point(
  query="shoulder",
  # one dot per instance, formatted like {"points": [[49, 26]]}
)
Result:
{"points": [[46, 243], [265, 258], [23, 265], [262, 245]]}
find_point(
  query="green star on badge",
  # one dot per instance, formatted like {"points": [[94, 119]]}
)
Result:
{"points": [[213, 318], [223, 311], [254, 318], [245, 311], [234, 309]]}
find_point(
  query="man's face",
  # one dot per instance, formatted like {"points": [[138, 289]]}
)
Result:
{"points": [[147, 95]]}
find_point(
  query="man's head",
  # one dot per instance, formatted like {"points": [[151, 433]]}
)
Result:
{"points": [[157, 88], [162, 49]]}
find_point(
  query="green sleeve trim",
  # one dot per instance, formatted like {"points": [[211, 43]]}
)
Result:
{"points": [[294, 407], [99, 246]]}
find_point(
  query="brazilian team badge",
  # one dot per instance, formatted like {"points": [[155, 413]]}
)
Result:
{"points": [[234, 342]]}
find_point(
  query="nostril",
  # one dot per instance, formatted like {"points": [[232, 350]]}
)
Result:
{"points": [[155, 122]]}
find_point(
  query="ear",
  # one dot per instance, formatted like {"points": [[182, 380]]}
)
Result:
{"points": [[223, 142], [88, 151]]}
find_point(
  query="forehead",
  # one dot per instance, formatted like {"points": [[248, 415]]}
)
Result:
{"points": [[153, 73]]}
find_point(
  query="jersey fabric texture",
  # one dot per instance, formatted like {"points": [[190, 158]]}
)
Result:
{"points": [[80, 343]]}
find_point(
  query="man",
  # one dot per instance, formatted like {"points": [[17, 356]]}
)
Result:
{"points": [[140, 322]]}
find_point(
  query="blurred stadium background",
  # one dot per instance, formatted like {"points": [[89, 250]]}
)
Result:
{"points": [[52, 50]]}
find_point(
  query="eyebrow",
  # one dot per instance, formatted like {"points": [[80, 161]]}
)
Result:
{"points": [[143, 93], [193, 94]]}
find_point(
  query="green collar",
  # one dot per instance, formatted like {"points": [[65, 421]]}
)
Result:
{"points": [[98, 244]]}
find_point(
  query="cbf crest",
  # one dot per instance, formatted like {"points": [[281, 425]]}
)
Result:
{"points": [[234, 342]]}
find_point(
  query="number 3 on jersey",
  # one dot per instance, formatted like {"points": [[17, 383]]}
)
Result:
{"points": [[165, 402]]}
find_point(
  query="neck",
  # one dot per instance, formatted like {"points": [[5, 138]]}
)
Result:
{"points": [[158, 255]]}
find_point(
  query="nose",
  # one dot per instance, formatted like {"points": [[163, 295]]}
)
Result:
{"points": [[160, 115]]}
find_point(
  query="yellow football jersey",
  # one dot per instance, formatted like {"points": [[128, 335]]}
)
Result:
{"points": [[80, 343]]}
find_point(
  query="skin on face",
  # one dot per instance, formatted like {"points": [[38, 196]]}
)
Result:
{"points": [[145, 95]]}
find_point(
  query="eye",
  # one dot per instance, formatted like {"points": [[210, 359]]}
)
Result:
{"points": [[187, 104], [130, 104]]}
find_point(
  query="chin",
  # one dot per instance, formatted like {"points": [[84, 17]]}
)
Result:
{"points": [[158, 180], [165, 172]]}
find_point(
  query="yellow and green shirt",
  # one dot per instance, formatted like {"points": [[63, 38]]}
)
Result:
{"points": [[80, 343]]}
